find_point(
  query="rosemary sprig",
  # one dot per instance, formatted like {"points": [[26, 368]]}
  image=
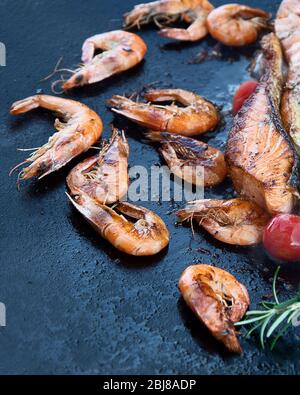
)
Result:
{"points": [[274, 319]]}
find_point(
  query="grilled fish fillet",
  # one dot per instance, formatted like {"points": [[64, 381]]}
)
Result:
{"points": [[261, 157], [287, 28]]}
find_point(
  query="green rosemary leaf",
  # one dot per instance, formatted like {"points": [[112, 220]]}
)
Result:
{"points": [[268, 305], [288, 303], [276, 317], [294, 313], [251, 320], [277, 322], [255, 312], [262, 331]]}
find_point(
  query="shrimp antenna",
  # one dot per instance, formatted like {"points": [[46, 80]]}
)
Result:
{"points": [[69, 197], [105, 199], [57, 70], [20, 175], [16, 167], [54, 85], [94, 147], [28, 149], [54, 71]]}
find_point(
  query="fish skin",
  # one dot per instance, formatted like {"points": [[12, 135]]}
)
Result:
{"points": [[261, 158]]}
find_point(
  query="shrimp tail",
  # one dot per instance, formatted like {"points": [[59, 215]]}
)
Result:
{"points": [[195, 32], [83, 207], [230, 341], [88, 50], [126, 107], [25, 105], [118, 102], [262, 23], [156, 136]]}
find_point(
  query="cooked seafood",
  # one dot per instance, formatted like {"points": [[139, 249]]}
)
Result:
{"points": [[166, 11], [80, 129], [236, 25], [287, 28], [103, 177], [147, 236], [187, 157], [121, 51], [197, 117], [218, 300], [261, 158], [234, 221]]}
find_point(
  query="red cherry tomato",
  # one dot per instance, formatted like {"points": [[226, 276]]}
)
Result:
{"points": [[281, 237], [242, 94]]}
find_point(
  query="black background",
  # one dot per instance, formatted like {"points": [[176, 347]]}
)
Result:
{"points": [[74, 304]]}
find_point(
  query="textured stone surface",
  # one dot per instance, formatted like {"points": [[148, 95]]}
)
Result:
{"points": [[74, 304]]}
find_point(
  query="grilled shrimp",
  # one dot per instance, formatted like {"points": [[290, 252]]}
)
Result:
{"points": [[122, 51], [197, 117], [186, 156], [287, 28], [236, 25], [166, 11], [103, 177], [217, 299], [234, 221], [79, 129], [147, 236]]}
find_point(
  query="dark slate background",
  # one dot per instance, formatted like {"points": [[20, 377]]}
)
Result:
{"points": [[74, 304]]}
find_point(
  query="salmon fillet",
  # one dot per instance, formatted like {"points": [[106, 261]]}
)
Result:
{"points": [[261, 158], [287, 28]]}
